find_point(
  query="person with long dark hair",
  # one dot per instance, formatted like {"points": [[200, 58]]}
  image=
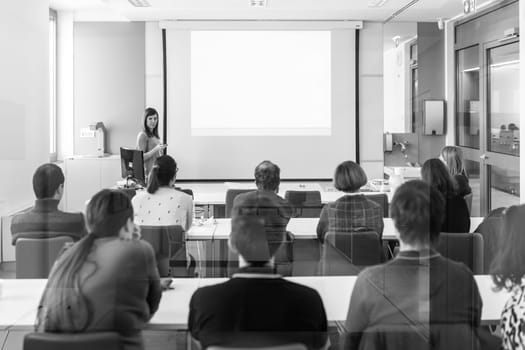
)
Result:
{"points": [[108, 281], [457, 217], [148, 140], [161, 204], [508, 272]]}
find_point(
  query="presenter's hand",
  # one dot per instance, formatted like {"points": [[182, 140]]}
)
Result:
{"points": [[160, 147]]}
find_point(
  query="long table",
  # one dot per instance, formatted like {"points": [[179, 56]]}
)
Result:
{"points": [[19, 300]]}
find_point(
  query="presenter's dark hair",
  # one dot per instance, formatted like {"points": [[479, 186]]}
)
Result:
{"points": [[46, 180], [436, 174], [418, 210], [267, 176], [508, 266], [349, 177], [162, 172], [149, 112], [63, 307]]}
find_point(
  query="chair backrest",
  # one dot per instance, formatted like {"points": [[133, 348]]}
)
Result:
{"points": [[382, 200], [35, 256], [230, 196], [74, 341], [362, 248], [463, 247], [306, 204], [167, 242], [468, 200], [295, 346]]}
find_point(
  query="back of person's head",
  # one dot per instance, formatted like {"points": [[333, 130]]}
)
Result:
{"points": [[250, 240], [162, 172], [46, 180], [63, 306], [267, 176], [149, 111], [349, 177], [453, 158], [508, 266], [435, 173], [418, 210]]}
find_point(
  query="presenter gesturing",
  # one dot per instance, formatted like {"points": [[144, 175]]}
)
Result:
{"points": [[148, 139]]}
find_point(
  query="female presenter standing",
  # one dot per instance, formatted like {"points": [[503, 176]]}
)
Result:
{"points": [[148, 140]]}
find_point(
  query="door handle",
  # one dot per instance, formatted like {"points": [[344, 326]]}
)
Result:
{"points": [[484, 157]]}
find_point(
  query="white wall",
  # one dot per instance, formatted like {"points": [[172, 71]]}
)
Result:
{"points": [[522, 106], [154, 71], [24, 98]]}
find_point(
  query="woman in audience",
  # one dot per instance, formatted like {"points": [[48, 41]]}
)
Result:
{"points": [[161, 204], [457, 217], [352, 212], [148, 140], [508, 271], [453, 158], [419, 298], [108, 281]]}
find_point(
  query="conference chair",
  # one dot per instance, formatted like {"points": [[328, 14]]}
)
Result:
{"points": [[230, 196], [468, 200], [295, 346], [35, 256], [306, 204], [463, 247], [72, 341], [169, 245], [382, 200]]}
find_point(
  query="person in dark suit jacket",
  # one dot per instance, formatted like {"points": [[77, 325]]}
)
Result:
{"points": [[256, 307], [265, 202], [457, 216], [44, 220], [419, 291]]}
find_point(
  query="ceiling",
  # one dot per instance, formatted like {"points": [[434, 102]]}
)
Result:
{"points": [[421, 11]]}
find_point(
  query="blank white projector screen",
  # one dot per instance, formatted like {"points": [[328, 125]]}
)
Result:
{"points": [[237, 97], [281, 84]]}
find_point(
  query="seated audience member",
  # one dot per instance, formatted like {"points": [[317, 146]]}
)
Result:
{"points": [[352, 212], [256, 308], [457, 217], [452, 156], [419, 290], [265, 202], [44, 220], [508, 271], [161, 204], [108, 281]]}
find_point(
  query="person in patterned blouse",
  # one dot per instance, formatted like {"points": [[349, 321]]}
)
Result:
{"points": [[352, 212], [508, 271]]}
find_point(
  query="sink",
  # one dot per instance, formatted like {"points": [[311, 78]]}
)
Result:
{"points": [[405, 171]]}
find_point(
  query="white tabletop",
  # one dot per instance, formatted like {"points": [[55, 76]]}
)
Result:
{"points": [[302, 228], [20, 299]]}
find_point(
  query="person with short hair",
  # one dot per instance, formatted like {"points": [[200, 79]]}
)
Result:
{"points": [[352, 212], [148, 139], [256, 307], [161, 204], [419, 289], [457, 216], [452, 156], [106, 282], [45, 220], [508, 272]]}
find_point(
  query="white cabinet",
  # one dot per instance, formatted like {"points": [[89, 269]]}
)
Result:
{"points": [[85, 176]]}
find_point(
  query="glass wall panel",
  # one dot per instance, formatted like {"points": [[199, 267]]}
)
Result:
{"points": [[504, 187], [467, 111]]}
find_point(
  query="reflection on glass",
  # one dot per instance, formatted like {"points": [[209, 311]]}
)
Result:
{"points": [[474, 182], [504, 99], [467, 115], [504, 187]]}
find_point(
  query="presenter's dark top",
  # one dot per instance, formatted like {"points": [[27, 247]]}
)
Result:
{"points": [[257, 308], [457, 216], [463, 187], [416, 289], [44, 220], [275, 210]]}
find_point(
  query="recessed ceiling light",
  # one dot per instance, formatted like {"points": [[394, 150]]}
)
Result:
{"points": [[258, 3], [377, 3], [139, 3]]}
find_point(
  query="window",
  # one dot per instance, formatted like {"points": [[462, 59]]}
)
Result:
{"points": [[52, 85]]}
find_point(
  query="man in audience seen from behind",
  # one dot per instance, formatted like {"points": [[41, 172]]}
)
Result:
{"points": [[256, 307], [265, 202], [44, 220]]}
